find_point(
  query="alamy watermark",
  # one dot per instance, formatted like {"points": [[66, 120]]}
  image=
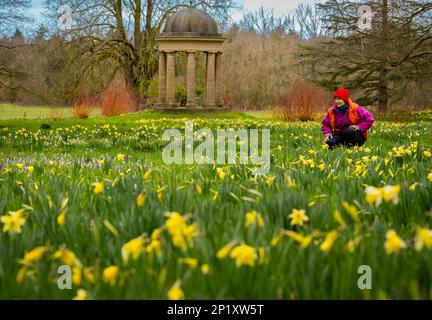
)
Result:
{"points": [[226, 142], [64, 280], [365, 14], [365, 280], [64, 22]]}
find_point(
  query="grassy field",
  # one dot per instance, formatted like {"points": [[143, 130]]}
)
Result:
{"points": [[95, 194], [12, 111]]}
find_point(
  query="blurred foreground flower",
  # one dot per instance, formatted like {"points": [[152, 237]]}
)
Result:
{"points": [[423, 239], [393, 242], [328, 242], [110, 275], [175, 292], [98, 187], [81, 295], [388, 193], [182, 234], [67, 257], [244, 255], [13, 221], [253, 217], [140, 200], [133, 248]]}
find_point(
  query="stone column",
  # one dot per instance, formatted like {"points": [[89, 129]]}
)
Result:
{"points": [[162, 78], [190, 82], [210, 97], [170, 79], [219, 87]]}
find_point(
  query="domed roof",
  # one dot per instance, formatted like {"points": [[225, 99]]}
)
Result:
{"points": [[191, 22]]}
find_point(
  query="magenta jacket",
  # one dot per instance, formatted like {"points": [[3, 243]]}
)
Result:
{"points": [[342, 120]]}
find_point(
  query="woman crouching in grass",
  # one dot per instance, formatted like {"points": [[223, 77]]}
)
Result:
{"points": [[346, 123]]}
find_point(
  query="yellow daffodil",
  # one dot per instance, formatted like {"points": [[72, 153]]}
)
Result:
{"points": [[160, 194], [110, 275], [275, 240], [262, 257], [89, 274], [156, 234], [220, 173], [34, 255], [360, 170], [429, 177], [81, 295], [76, 276], [298, 217], [339, 219], [154, 246], [391, 193], [98, 187], [328, 242], [393, 242], [351, 209], [30, 169], [205, 268], [270, 180], [304, 241], [133, 248], [67, 257], [244, 255], [373, 195], [181, 233], [225, 250], [120, 157], [14, 221], [423, 239], [253, 217], [413, 186], [190, 262], [61, 218], [140, 200], [198, 189], [352, 244], [176, 292], [21, 274], [147, 174]]}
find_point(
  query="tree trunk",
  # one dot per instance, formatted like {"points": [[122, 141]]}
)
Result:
{"points": [[382, 91], [383, 83]]}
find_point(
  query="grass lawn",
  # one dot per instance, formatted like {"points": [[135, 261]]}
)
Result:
{"points": [[12, 111], [95, 194]]}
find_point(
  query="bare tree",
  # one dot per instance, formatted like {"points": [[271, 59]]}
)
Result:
{"points": [[380, 61], [11, 13], [264, 21]]}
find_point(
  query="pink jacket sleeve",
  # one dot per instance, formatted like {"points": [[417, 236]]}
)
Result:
{"points": [[325, 125], [366, 119]]}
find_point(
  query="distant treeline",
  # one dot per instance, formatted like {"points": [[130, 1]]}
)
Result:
{"points": [[266, 56]]}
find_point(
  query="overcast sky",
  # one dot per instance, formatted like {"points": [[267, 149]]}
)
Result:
{"points": [[280, 6]]}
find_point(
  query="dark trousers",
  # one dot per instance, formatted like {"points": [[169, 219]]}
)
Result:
{"points": [[350, 137]]}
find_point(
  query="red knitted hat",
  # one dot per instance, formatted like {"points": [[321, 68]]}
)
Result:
{"points": [[343, 94]]}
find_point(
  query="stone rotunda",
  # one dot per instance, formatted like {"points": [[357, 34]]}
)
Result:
{"points": [[190, 30]]}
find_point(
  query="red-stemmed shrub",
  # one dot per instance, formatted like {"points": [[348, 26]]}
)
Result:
{"points": [[117, 99]]}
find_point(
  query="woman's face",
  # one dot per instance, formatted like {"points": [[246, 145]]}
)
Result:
{"points": [[339, 102]]}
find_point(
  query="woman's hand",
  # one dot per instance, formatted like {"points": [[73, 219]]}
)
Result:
{"points": [[327, 137]]}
